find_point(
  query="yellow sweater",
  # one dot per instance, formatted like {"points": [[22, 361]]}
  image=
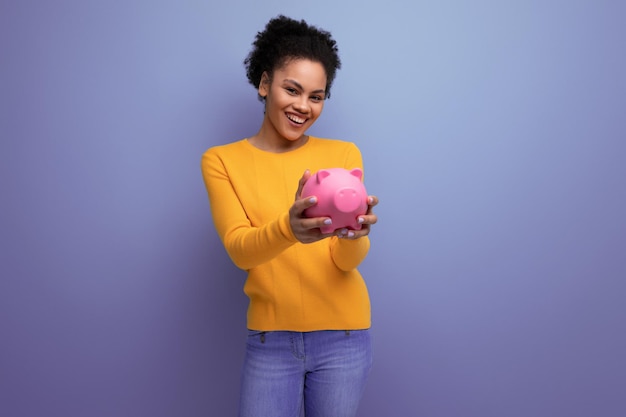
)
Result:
{"points": [[291, 285]]}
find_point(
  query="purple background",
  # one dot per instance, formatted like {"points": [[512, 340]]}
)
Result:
{"points": [[493, 132]]}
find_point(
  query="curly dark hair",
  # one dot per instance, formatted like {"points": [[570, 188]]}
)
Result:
{"points": [[284, 39]]}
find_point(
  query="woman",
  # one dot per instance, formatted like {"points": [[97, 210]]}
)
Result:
{"points": [[308, 340]]}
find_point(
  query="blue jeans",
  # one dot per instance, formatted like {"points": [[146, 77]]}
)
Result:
{"points": [[322, 372]]}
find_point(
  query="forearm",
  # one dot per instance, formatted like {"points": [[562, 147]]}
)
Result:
{"points": [[250, 246], [247, 244]]}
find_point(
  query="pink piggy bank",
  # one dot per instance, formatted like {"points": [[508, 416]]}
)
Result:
{"points": [[340, 195]]}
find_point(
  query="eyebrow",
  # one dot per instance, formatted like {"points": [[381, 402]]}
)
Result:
{"points": [[297, 84]]}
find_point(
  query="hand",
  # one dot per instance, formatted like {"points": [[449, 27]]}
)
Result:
{"points": [[306, 230], [366, 220]]}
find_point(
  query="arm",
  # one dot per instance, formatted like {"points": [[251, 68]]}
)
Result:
{"points": [[349, 249], [247, 246], [348, 254]]}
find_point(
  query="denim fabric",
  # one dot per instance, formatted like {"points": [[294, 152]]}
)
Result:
{"points": [[321, 372]]}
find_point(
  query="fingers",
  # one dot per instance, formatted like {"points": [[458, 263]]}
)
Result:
{"points": [[301, 204], [350, 234], [369, 217], [305, 177], [372, 200], [366, 221], [307, 230]]}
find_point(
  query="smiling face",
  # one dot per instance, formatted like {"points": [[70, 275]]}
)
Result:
{"points": [[294, 99]]}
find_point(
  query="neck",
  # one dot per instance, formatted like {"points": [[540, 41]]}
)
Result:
{"points": [[272, 142]]}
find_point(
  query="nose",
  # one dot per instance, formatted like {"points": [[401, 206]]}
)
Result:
{"points": [[302, 104], [346, 200]]}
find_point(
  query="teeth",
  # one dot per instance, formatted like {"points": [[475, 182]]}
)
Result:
{"points": [[295, 118]]}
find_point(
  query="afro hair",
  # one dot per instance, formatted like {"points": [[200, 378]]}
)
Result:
{"points": [[285, 39]]}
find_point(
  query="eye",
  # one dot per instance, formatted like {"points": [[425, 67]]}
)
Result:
{"points": [[317, 99], [291, 91]]}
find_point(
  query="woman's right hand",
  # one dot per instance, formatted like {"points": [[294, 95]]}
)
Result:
{"points": [[306, 230]]}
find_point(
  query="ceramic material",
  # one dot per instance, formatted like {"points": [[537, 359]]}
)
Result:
{"points": [[341, 196]]}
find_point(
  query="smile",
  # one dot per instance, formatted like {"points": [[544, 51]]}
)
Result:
{"points": [[295, 119]]}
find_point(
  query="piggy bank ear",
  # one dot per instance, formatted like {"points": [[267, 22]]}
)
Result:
{"points": [[357, 172], [321, 174]]}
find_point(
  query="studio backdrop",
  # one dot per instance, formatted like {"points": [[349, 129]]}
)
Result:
{"points": [[492, 131]]}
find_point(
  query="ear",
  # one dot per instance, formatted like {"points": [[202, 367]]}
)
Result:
{"points": [[321, 174], [357, 172], [264, 84]]}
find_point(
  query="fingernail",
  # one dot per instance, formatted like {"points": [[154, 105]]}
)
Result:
{"points": [[361, 220], [328, 221], [370, 200], [312, 200], [350, 234]]}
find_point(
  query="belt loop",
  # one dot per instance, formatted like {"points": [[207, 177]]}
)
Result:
{"points": [[262, 337], [347, 332]]}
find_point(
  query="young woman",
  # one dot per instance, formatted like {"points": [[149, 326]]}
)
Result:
{"points": [[308, 343]]}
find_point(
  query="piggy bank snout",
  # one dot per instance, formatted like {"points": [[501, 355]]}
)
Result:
{"points": [[347, 200]]}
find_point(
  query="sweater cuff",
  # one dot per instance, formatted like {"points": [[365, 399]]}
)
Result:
{"points": [[349, 253], [285, 228]]}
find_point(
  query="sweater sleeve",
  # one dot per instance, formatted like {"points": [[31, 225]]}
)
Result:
{"points": [[347, 254], [247, 246]]}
